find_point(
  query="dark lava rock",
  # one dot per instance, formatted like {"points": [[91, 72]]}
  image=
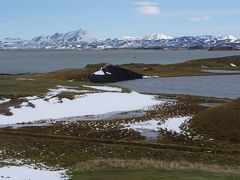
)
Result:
{"points": [[110, 73]]}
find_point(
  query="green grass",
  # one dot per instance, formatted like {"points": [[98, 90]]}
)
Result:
{"points": [[78, 74], [10, 85], [152, 175], [14, 86]]}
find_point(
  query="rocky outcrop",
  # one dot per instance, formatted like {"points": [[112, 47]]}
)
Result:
{"points": [[110, 73]]}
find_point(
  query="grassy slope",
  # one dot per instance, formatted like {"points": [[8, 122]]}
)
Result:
{"points": [[78, 74], [222, 122], [10, 85], [68, 153], [152, 175], [188, 68], [212, 63], [16, 86]]}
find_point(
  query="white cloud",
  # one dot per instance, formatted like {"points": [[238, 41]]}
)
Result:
{"points": [[197, 19], [147, 7], [148, 10], [145, 3]]}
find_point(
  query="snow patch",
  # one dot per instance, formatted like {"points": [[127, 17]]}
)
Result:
{"points": [[4, 100], [171, 124], [82, 105], [233, 65], [105, 88], [99, 73], [25, 79], [31, 173], [61, 89], [146, 77]]}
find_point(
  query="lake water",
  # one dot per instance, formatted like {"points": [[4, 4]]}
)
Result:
{"points": [[44, 61], [222, 71], [213, 86]]}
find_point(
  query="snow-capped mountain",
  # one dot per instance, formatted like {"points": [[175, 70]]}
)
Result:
{"points": [[227, 38], [81, 39], [72, 39], [12, 43], [158, 37], [63, 38], [165, 41], [153, 37]]}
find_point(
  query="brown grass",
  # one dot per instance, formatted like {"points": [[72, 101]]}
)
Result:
{"points": [[222, 122], [78, 74], [188, 68], [107, 164]]}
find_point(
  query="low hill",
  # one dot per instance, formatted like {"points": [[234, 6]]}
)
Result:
{"points": [[222, 122], [188, 68], [224, 48]]}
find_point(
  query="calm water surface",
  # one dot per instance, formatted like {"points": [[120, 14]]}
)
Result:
{"points": [[213, 86], [45, 61], [222, 71]]}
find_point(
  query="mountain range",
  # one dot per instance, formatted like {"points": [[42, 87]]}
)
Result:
{"points": [[81, 39]]}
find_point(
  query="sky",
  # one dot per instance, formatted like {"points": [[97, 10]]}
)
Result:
{"points": [[117, 18]]}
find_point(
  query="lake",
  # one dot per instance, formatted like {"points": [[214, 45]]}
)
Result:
{"points": [[16, 61], [227, 86]]}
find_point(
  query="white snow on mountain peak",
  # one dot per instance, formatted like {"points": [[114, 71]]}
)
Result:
{"points": [[229, 37], [158, 37], [149, 37], [81, 39], [69, 37], [130, 38], [207, 37]]}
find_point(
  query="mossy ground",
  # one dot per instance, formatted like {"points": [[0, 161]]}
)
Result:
{"points": [[67, 144], [149, 174], [188, 68], [222, 122]]}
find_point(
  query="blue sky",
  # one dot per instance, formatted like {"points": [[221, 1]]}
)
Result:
{"points": [[117, 18]]}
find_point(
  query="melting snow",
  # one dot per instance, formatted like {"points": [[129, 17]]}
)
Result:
{"points": [[171, 124], [89, 104], [105, 88], [233, 65], [150, 77], [99, 73], [25, 79], [4, 100], [30, 173], [60, 89]]}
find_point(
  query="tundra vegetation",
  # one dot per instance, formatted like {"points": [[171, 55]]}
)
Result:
{"points": [[206, 146]]}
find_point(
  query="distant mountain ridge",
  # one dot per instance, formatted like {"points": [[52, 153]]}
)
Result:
{"points": [[81, 39]]}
